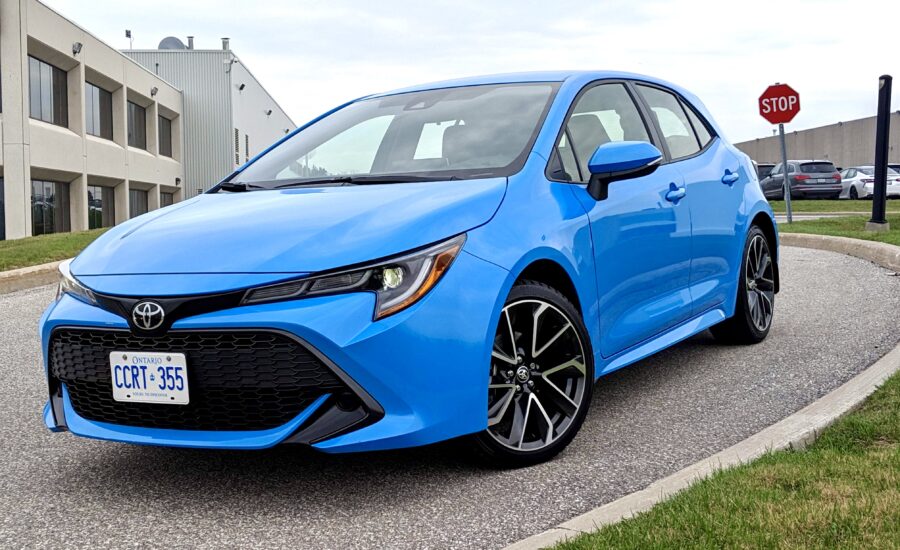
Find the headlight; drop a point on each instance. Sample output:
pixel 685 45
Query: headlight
pixel 397 282
pixel 69 285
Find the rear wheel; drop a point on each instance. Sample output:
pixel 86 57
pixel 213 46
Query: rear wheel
pixel 540 381
pixel 755 306
pixel 854 194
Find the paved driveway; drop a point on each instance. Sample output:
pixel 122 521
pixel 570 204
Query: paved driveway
pixel 834 317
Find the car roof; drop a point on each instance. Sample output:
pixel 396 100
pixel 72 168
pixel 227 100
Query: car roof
pixel 524 77
pixel 811 160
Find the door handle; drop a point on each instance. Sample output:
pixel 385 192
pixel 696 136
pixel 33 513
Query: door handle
pixel 675 193
pixel 730 177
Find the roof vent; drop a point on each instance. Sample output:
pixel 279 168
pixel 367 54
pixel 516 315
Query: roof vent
pixel 190 42
pixel 225 43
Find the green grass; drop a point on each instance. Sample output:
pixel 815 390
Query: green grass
pixel 44 248
pixel 846 226
pixel 799 206
pixel 842 492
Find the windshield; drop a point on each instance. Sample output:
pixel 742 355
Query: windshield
pixel 458 133
pixel 869 171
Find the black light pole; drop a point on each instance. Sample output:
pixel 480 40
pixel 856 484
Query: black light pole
pixel 882 131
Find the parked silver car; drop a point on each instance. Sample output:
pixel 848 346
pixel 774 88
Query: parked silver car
pixel 858 182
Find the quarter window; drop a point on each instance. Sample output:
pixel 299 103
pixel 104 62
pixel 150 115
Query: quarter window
pixel 672 121
pixel 603 114
pixel 700 128
pixel 48 92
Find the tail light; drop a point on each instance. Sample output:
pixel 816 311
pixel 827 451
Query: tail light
pixel 868 180
pixel 837 177
pixel 801 177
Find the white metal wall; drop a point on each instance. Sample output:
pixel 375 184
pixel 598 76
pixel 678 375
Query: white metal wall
pixel 203 78
pixel 223 124
pixel 255 128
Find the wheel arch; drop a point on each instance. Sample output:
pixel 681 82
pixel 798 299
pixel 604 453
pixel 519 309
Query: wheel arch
pixel 550 272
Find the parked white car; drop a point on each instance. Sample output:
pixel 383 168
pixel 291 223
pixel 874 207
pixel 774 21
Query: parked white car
pixel 859 183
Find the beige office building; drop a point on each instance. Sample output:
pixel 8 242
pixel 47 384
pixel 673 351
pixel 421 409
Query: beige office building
pixel 89 137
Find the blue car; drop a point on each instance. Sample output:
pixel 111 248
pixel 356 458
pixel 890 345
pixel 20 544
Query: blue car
pixel 460 259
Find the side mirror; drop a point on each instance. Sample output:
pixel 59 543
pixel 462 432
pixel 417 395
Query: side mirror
pixel 620 160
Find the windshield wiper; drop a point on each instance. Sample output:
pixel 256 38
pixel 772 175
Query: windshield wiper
pixel 317 181
pixel 232 187
pixel 365 180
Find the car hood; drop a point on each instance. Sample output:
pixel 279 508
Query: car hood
pixel 291 231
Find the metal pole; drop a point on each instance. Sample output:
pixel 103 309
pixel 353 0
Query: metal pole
pixel 883 126
pixel 787 182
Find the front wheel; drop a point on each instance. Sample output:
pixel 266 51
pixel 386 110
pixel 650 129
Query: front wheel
pixel 755 306
pixel 541 378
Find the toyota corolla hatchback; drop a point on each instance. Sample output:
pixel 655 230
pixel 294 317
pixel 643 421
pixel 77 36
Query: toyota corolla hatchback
pixel 455 259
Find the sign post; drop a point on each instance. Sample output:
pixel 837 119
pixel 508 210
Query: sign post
pixel 779 104
pixel 882 129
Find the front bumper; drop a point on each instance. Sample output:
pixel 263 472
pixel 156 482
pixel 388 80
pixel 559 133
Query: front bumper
pixel 425 367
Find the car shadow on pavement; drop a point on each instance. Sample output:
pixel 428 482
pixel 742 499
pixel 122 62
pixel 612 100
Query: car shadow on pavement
pixel 124 475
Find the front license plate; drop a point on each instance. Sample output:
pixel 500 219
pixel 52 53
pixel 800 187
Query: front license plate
pixel 149 377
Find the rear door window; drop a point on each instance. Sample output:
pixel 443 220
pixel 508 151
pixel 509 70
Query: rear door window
pixel 672 121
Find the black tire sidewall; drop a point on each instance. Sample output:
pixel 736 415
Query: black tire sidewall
pixel 743 304
pixel 503 456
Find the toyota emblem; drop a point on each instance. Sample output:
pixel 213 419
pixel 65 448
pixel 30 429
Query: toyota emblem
pixel 148 315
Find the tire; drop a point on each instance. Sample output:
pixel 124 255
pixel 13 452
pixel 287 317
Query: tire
pixel 535 408
pixel 854 194
pixel 755 306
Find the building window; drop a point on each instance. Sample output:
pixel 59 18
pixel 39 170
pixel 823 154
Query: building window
pixel 165 137
pixel 48 92
pixel 101 206
pixel 97 111
pixel 49 207
pixel 137 126
pixel 166 199
pixel 138 204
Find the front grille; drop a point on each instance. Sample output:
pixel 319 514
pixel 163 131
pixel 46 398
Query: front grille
pixel 238 380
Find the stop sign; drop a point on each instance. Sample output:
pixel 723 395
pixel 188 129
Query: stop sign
pixel 779 104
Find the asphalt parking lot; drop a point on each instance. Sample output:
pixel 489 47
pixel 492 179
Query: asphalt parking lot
pixel 834 316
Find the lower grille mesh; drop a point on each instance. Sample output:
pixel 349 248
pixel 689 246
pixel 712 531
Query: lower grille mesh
pixel 238 380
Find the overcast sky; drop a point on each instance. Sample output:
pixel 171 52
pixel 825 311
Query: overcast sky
pixel 314 55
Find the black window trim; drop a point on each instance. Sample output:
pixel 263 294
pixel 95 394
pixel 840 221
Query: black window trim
pixel 684 103
pixel 638 103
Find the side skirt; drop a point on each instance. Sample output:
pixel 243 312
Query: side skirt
pixel 671 337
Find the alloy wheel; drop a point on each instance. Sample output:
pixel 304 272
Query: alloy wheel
pixel 538 376
pixel 760 283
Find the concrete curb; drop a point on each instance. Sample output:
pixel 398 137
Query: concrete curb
pixel 883 254
pixel 29 277
pixel 796 431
